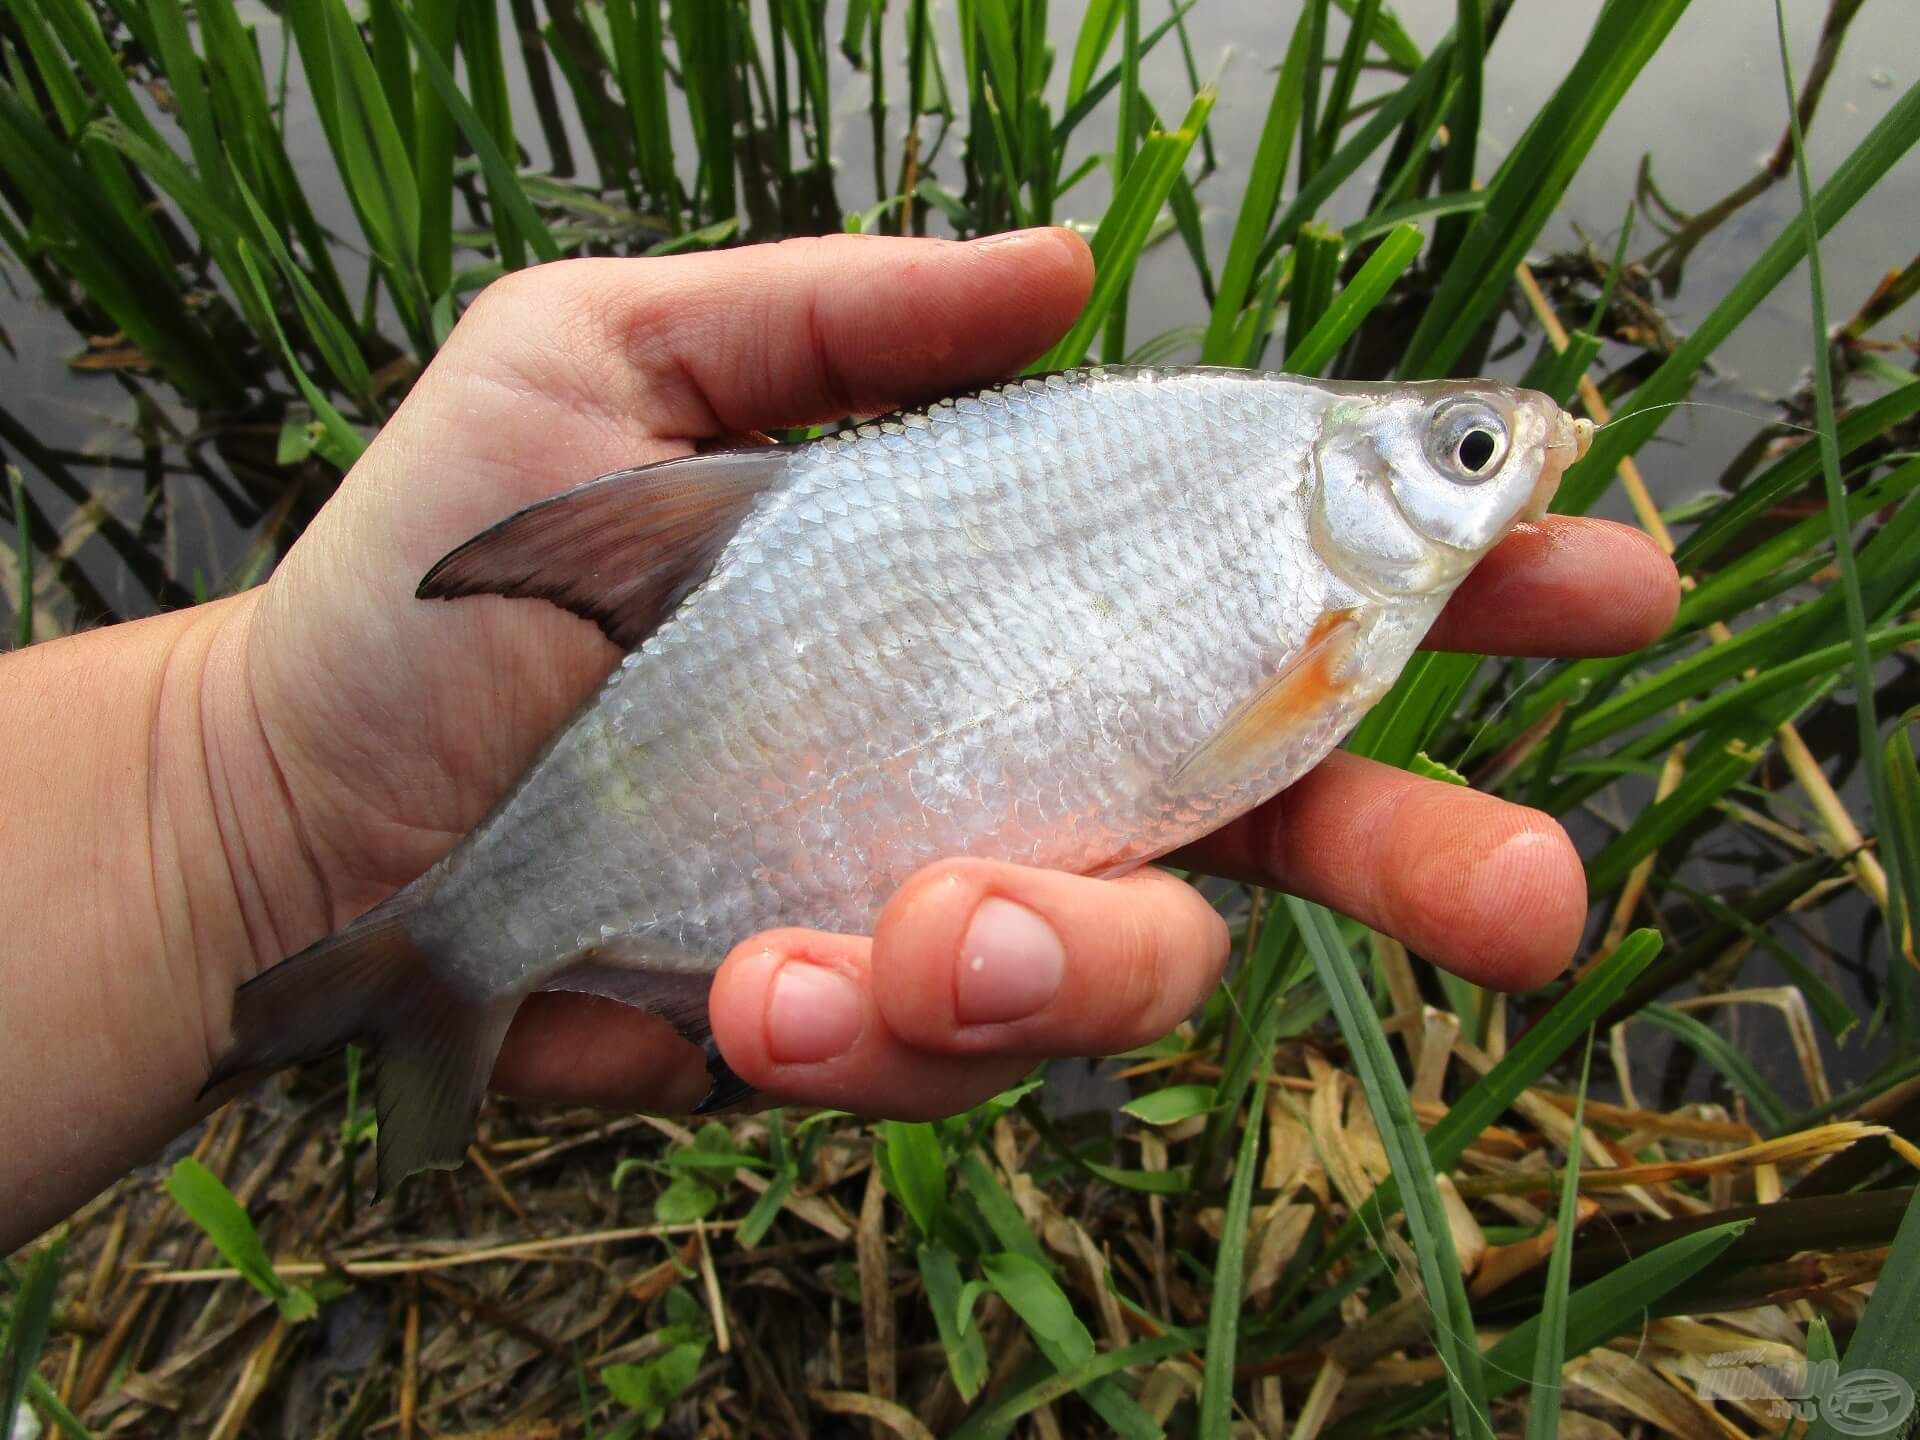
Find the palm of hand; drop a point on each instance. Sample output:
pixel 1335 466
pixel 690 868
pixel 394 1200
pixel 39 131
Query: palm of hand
pixel 373 730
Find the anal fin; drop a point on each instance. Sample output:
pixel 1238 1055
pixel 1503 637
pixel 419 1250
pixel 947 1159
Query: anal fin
pixel 1290 702
pixel 677 996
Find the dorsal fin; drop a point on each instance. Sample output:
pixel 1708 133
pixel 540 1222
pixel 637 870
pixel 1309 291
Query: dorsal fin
pixel 622 550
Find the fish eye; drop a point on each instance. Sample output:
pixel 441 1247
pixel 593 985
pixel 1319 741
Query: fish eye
pixel 1467 441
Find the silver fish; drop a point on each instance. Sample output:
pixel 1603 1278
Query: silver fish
pixel 1072 622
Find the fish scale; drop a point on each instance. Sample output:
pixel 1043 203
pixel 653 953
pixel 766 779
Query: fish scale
pixel 1072 622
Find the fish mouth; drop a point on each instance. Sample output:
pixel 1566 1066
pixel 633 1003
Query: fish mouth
pixel 1571 440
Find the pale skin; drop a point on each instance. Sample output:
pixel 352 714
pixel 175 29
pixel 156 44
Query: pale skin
pixel 193 797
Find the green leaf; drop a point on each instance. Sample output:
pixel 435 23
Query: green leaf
pixel 966 1351
pixel 1526 1060
pixel 1035 1296
pixel 1352 305
pixel 1413 1167
pixel 503 184
pixel 1529 185
pixel 1171 1105
pixel 1550 1351
pixel 1123 231
pixel 918 1171
pixel 684 1201
pixel 211 1206
pixel 1641 413
pixel 1229 1277
pixel 651 1387
pixel 25 1336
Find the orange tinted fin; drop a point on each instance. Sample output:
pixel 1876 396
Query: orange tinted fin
pixel 1268 720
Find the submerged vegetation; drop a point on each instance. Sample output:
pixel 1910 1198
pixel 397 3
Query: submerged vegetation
pixel 1355 1195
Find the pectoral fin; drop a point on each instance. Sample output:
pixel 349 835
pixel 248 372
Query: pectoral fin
pixel 1267 721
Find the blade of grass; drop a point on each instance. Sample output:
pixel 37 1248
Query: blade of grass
pixel 1316 266
pixel 1229 1276
pixel 1098 22
pixel 503 184
pixel 1361 17
pixel 1413 1165
pixel 1079 110
pixel 1888 1337
pixel 1902 815
pixel 640 61
pixel 1596 1312
pixel 1637 415
pixel 1463 122
pixel 75 108
pixel 340 442
pixel 23 557
pixel 1262 196
pixel 1123 231
pixel 1789 474
pixel 1550 1352
pixel 1713 1047
pixel 1903 903
pixel 1348 159
pixel 703 34
pixel 1114 341
pixel 998 1418
pixel 478 38
pixel 1469 202
pixel 26 1333
pixel 1313 15
pixel 1531 182
pixel 1526 1061
pixel 139 297
pixel 1426 694
pixel 433 127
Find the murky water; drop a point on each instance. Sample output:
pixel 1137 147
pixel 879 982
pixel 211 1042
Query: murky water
pixel 182 506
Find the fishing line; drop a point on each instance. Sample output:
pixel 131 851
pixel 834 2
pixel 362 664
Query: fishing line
pixel 1693 404
pixel 1708 405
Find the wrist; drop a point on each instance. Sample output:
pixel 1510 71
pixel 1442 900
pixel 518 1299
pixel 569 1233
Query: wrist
pixel 230 854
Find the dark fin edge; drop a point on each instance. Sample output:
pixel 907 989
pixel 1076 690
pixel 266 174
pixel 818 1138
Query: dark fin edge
pixel 622 550
pixel 680 998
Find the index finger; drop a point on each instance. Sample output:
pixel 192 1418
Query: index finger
pixel 1564 586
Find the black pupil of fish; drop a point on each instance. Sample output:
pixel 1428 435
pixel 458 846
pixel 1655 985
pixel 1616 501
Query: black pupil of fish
pixel 1476 449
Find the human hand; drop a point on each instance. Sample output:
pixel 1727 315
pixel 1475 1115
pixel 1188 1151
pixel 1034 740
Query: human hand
pixel 353 734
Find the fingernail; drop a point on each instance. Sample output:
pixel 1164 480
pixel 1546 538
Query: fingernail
pixel 1011 964
pixel 813 1014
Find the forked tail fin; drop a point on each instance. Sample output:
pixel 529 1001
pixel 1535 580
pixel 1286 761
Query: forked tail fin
pixel 433 1049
